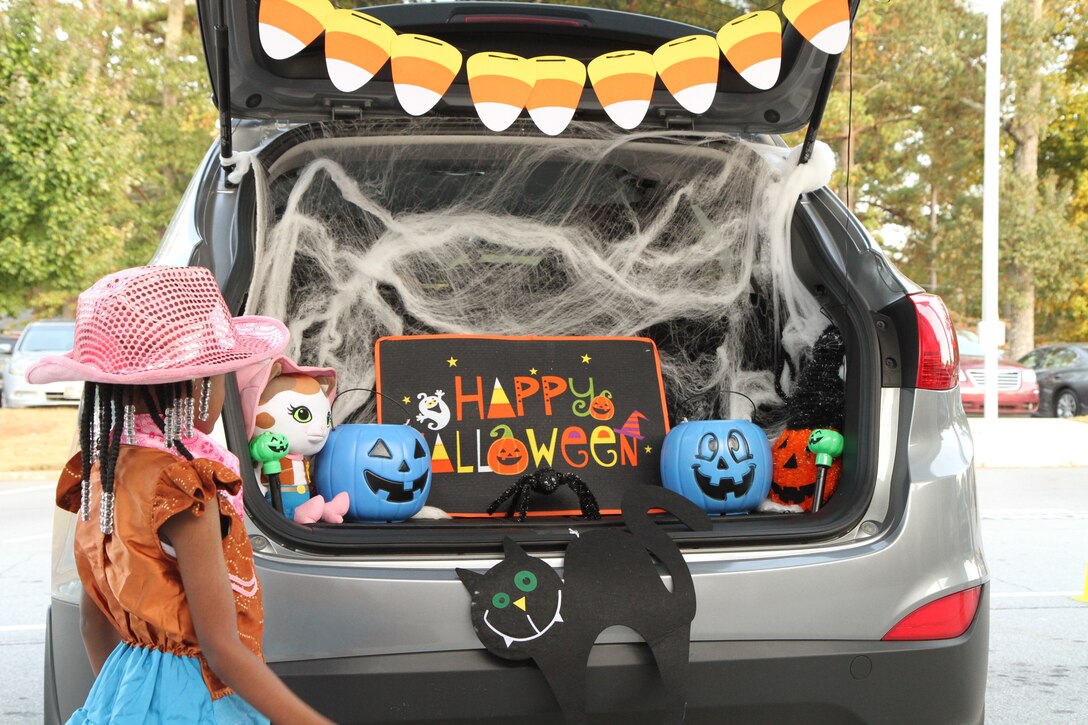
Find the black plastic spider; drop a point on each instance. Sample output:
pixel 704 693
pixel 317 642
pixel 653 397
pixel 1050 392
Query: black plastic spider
pixel 546 480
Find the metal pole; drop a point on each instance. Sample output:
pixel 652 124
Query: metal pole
pixel 991 329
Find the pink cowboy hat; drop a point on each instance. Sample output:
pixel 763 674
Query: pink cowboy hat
pixel 253 379
pixel 149 325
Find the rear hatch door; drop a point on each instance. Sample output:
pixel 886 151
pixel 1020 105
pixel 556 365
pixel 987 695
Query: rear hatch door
pixel 298 88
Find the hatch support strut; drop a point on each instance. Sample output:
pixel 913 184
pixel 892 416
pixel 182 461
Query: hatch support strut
pixel 222 82
pixel 818 110
pixel 822 93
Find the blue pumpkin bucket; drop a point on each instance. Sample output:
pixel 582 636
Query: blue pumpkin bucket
pixel 723 466
pixel 385 470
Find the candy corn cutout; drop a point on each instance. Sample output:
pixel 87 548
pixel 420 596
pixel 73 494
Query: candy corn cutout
pixel 356 47
pixel 752 44
pixel 287 26
pixel 824 23
pixel 500 85
pixel 624 84
pixel 423 69
pixel 556 93
pixel 689 69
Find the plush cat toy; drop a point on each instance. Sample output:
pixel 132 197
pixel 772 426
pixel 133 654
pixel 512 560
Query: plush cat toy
pixel 296 402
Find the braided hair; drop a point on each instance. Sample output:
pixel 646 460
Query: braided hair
pixel 100 430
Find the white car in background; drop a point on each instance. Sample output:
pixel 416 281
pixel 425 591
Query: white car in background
pixel 39 339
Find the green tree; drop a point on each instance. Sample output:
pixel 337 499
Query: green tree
pixel 913 148
pixel 104 114
pixel 64 150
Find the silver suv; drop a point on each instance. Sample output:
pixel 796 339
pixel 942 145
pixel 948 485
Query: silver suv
pixel 357 221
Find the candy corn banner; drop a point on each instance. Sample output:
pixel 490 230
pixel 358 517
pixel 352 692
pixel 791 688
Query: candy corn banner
pixel 496 408
pixel 358 45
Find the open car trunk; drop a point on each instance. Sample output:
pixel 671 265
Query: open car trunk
pixel 426 227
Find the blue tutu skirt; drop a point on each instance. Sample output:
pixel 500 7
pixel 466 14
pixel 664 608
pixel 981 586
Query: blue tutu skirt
pixel 139 685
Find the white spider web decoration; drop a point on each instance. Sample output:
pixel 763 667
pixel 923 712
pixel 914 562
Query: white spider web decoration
pixel 680 238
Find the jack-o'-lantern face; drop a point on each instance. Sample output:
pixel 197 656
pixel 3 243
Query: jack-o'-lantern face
pixel 794 475
pixel 721 465
pixel 386 470
pixel 508 456
pixel 601 407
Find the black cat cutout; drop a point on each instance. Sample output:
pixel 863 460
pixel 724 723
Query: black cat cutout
pixel 521 608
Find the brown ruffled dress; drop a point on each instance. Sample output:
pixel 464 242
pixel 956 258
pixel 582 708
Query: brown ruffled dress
pixel 133 577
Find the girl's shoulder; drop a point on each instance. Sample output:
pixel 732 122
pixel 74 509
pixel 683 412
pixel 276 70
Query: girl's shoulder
pixel 170 483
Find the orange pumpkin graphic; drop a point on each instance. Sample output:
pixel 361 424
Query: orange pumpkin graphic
pixel 507 456
pixel 601 407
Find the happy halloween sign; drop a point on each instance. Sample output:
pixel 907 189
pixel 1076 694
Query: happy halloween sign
pixel 496 408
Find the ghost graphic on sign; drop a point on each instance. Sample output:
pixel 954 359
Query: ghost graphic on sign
pixel 433 410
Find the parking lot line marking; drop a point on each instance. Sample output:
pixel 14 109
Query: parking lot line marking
pixel 22 627
pixel 1029 595
pixel 34 537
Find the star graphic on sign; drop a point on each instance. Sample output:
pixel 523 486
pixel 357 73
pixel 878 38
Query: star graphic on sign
pixel 532 371
pixel 406 400
pixel 586 359
pixel 452 361
pixel 649 449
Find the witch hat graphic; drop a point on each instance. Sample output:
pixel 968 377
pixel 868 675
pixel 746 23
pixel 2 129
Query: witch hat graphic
pixel 630 427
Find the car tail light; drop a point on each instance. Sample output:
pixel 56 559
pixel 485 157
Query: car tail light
pixel 938 352
pixel 943 618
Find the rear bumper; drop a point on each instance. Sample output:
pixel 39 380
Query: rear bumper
pixel 739 682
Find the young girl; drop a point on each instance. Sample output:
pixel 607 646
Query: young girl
pixel 171 609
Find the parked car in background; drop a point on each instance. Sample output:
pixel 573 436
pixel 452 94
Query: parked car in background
pixel 1017 389
pixel 7 344
pixel 39 339
pixel 1062 371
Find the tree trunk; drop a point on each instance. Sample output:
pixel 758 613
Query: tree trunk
pixel 175 15
pixel 1021 334
pixel 1025 164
